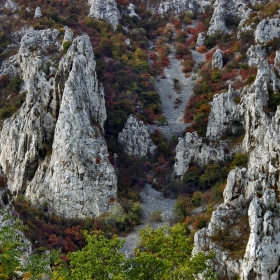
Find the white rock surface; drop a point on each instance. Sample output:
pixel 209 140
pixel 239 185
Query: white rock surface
pixel 277 61
pixel 200 39
pixel 128 43
pixel 68 35
pixel 261 260
pixel 217 60
pixel 38 13
pixel 267 29
pixel 135 138
pixel 217 22
pixel 9 4
pixel 238 9
pixel 131 11
pixel 253 186
pixel 75 178
pixel 106 10
pixel 255 54
pixel 192 149
pixel 225 115
pixel 179 6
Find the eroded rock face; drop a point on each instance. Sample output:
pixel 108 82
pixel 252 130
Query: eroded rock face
pixel 68 35
pixel 106 10
pixel 255 54
pixel 38 13
pixel 131 11
pixel 179 6
pixel 217 22
pixel 192 149
pixel 225 10
pixel 225 116
pixel 10 5
pixel 200 39
pixel 267 29
pixel 79 180
pixel 250 191
pixel 135 138
pixel 53 149
pixel 217 60
pixel 22 136
pixel 277 61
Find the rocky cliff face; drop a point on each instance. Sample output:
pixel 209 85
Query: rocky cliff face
pixel 250 195
pixel 192 149
pixel 267 29
pixel 106 10
pixel 179 6
pixel 225 9
pixel 217 60
pixel 135 138
pixel 53 150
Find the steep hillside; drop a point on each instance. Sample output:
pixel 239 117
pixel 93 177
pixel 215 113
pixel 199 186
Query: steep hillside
pixel 100 100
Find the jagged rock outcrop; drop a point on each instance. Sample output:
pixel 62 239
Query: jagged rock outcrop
pixel 192 149
pixel 178 6
pixel 38 13
pixel 217 60
pixel 10 67
pixel 131 11
pixel 135 138
pixel 250 192
pixel 106 10
pixel 128 43
pixel 10 5
pixel 200 39
pixel 225 116
pixel 277 61
pixel 267 29
pixel 68 35
pixel 73 174
pixel 229 10
pixel 255 54
pixel 217 22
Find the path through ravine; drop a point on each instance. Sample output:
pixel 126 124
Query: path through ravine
pixel 173 103
pixel 152 200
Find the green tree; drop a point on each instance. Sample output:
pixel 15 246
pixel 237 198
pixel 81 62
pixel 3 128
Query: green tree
pixel 99 259
pixel 171 250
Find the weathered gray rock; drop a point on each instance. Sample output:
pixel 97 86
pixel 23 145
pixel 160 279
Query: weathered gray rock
pixel 200 39
pixel 131 11
pixel 225 9
pixel 127 42
pixel 255 54
pixel 78 179
pixel 225 116
pixel 68 35
pixel 38 13
pixel 31 124
pixel 277 61
pixel 10 67
pixel 192 149
pixel 263 248
pixel 73 174
pixel 251 186
pixel 267 29
pixel 106 10
pixel 217 60
pixel 9 4
pixel 217 22
pixel 178 6
pixel 135 138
